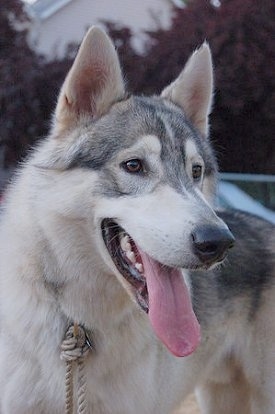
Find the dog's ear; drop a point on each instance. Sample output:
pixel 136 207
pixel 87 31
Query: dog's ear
pixel 193 89
pixel 94 82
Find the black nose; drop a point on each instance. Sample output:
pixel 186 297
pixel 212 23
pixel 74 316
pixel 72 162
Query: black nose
pixel 210 243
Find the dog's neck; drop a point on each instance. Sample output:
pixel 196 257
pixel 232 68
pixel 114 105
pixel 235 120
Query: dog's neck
pixel 68 271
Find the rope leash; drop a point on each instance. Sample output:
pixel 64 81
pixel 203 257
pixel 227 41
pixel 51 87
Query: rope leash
pixel 74 349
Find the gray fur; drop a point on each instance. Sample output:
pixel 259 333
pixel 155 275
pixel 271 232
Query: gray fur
pixel 246 274
pixel 138 117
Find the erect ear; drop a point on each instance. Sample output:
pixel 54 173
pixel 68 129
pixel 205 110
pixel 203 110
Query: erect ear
pixel 94 82
pixel 193 89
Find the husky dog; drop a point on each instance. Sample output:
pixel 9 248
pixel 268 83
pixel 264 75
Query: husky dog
pixel 109 226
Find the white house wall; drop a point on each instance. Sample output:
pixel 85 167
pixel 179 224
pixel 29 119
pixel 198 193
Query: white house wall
pixel 68 25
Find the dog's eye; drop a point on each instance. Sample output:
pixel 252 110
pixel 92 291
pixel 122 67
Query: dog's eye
pixel 133 166
pixel 196 172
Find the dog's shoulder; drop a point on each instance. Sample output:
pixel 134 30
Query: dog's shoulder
pixel 247 274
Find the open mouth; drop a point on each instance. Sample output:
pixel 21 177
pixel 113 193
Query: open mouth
pixel 159 290
pixel 127 259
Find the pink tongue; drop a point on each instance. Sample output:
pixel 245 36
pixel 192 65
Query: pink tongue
pixel 170 309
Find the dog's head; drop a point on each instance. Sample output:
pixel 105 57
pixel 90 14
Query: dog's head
pixel 144 178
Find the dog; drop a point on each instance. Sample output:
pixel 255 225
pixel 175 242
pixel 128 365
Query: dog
pixel 108 234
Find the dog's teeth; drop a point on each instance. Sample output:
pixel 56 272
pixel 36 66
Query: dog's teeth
pixel 131 256
pixel 127 247
pixel 139 267
pixel 125 243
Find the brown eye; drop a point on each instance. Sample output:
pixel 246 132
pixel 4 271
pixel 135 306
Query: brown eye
pixel 133 166
pixel 196 172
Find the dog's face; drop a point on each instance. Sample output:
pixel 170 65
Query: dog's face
pixel 143 178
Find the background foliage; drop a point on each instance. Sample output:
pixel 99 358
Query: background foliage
pixel 241 36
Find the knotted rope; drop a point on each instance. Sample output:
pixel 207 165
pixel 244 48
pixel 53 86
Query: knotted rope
pixel 74 349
